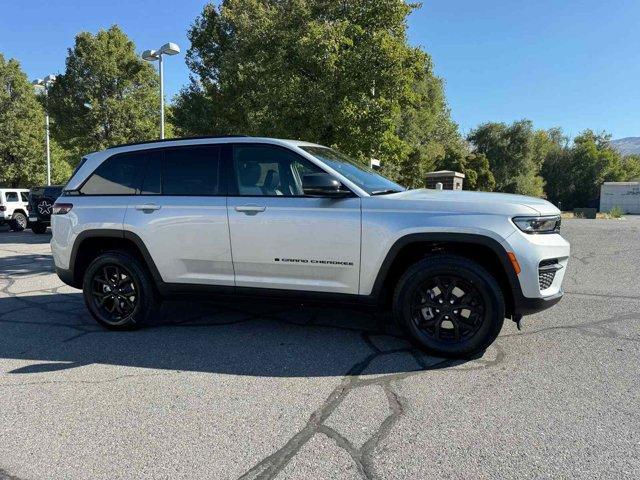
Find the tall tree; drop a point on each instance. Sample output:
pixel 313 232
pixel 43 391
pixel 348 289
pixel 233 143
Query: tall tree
pixel 335 72
pixel 575 173
pixel 631 167
pixel 22 147
pixel 107 94
pixel 511 155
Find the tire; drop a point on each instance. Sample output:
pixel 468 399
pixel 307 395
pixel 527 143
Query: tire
pixel 430 299
pixel 136 300
pixel 18 222
pixel 39 228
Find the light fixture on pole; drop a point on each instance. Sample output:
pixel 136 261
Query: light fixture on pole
pixel 152 56
pixel 44 84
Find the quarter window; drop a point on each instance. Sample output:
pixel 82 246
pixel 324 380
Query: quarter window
pixel 11 196
pixel 119 175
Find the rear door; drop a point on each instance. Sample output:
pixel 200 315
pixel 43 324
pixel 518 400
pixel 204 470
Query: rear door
pixel 181 215
pixel 282 239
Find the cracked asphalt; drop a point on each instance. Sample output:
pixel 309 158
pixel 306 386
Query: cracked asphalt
pixel 257 390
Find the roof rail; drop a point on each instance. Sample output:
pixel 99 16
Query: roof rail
pixel 175 139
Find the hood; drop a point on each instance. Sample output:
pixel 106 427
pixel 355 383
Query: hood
pixel 480 200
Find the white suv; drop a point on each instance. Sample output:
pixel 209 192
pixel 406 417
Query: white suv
pixel 14 207
pixel 260 216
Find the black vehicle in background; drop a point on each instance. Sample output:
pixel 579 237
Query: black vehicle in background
pixel 41 200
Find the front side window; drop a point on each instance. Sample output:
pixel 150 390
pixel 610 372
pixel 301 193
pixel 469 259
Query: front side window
pixel 367 179
pixel 11 196
pixel 119 175
pixel 268 171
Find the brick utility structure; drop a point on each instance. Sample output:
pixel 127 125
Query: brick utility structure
pixel 450 180
pixel 625 195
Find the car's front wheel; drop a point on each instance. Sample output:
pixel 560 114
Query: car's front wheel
pixel 450 306
pixel 119 292
pixel 18 222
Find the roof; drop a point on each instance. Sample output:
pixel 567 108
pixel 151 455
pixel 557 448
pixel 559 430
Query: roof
pixel 175 139
pixel 445 173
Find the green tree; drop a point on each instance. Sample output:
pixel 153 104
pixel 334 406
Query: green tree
pixel 631 167
pixel 475 166
pixel 107 94
pixel 22 147
pixel 574 174
pixel 511 152
pixel 338 73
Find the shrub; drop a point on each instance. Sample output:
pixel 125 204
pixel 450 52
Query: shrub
pixel 616 212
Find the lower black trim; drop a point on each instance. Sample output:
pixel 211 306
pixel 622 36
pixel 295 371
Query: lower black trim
pixel 67 277
pixel 528 306
pixel 179 290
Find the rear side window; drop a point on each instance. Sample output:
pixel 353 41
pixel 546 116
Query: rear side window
pixel 24 196
pixel 193 171
pixel 119 175
pixel 11 196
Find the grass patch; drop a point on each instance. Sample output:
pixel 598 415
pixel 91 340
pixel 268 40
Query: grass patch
pixel 616 212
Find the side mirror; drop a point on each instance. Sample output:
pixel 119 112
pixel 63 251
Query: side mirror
pixel 323 185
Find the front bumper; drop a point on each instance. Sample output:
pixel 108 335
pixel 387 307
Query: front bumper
pixel 529 306
pixel 536 291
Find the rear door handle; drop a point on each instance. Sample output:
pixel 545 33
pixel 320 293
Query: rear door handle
pixel 250 209
pixel 147 207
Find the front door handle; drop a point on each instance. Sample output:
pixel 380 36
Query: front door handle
pixel 147 207
pixel 250 209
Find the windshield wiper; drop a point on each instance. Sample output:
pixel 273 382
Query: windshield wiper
pixel 385 192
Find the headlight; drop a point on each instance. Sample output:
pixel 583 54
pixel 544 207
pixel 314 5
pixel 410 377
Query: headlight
pixel 549 224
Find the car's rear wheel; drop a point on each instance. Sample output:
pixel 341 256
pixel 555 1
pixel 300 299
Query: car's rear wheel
pixel 18 222
pixel 39 228
pixel 119 292
pixel 449 305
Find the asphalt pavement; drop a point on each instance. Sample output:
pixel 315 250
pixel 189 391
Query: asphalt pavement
pixel 256 390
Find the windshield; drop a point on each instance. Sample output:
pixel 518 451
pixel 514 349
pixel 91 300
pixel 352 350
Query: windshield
pixel 366 178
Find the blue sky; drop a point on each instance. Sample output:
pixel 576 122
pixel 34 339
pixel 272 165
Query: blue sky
pixel 568 63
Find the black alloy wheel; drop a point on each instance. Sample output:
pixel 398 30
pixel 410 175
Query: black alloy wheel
pixel 447 308
pixel 115 293
pixel 449 305
pixel 119 291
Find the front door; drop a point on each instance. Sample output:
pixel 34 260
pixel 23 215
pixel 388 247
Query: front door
pixel 181 215
pixel 282 239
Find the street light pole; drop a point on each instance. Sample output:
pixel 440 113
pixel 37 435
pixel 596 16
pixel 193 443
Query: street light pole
pixel 47 141
pixel 160 69
pixel 152 56
pixel 46 84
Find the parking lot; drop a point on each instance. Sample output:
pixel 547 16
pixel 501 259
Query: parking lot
pixel 257 390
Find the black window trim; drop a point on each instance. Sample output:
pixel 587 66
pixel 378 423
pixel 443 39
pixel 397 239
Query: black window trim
pixel 222 172
pixel 232 187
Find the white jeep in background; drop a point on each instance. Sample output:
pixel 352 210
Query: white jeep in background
pixel 14 208
pixel 265 217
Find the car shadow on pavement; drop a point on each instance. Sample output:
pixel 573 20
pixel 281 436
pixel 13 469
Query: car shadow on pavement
pixel 25 237
pixel 25 265
pixel 50 332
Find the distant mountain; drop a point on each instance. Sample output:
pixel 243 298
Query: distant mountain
pixel 627 146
